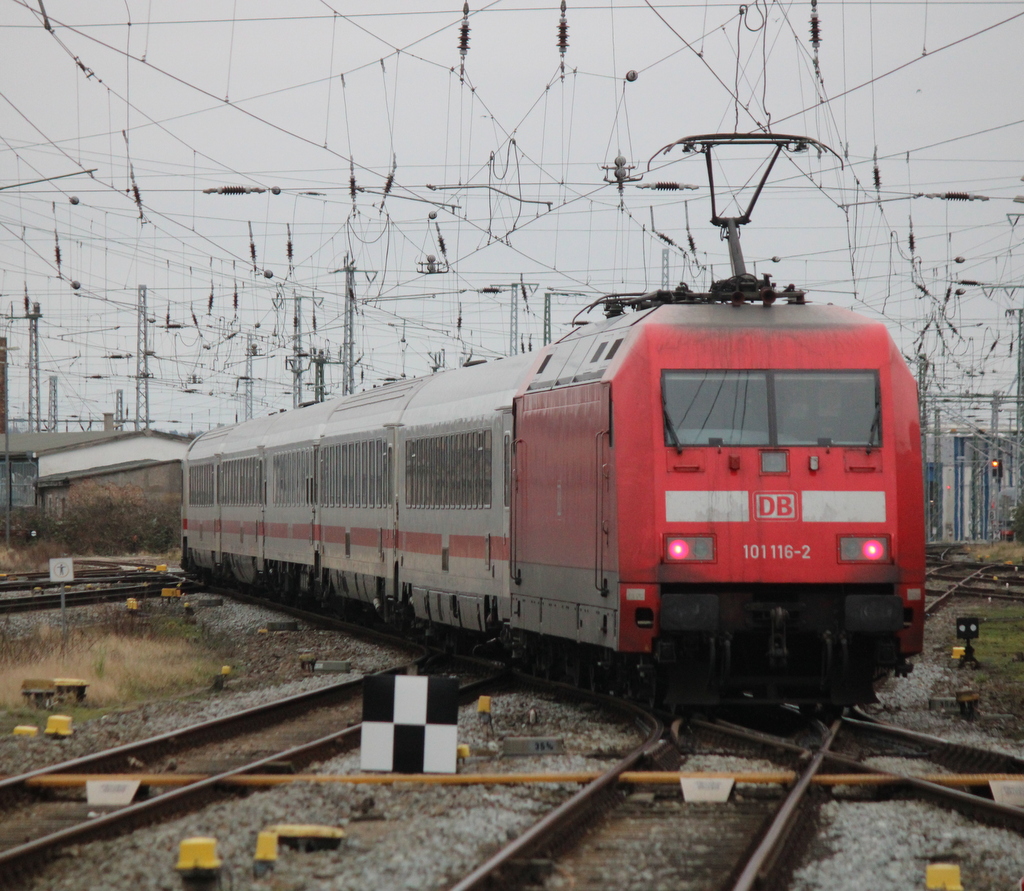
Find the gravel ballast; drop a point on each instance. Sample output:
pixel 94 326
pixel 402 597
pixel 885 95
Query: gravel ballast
pixel 265 667
pixel 405 836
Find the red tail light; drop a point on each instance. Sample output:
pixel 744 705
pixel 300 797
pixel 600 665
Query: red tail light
pixel 689 549
pixel 864 549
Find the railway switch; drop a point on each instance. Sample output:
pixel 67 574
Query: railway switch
pixel 943 877
pixel 58 726
pixel 198 864
pixel 266 854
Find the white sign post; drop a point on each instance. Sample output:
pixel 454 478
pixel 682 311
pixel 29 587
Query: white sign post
pixel 62 569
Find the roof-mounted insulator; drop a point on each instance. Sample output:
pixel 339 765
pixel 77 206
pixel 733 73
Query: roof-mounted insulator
pixel 667 187
pixel 234 190
pixel 463 41
pixel 563 41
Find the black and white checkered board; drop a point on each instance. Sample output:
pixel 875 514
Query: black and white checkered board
pixel 410 724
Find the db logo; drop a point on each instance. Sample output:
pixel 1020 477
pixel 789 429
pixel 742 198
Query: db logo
pixel 775 506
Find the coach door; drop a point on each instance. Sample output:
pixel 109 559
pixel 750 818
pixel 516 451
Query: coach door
pixel 261 508
pixel 312 497
pixel 389 531
pixel 217 512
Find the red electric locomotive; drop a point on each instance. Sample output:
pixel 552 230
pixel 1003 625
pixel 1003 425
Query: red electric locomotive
pixel 740 485
pixel 704 498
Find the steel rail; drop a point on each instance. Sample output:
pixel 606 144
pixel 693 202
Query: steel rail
pixel 37 602
pixel 548 831
pixel 767 855
pixel 935 604
pixel 87 578
pixel 24 858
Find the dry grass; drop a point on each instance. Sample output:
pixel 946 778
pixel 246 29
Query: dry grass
pixel 120 664
pixel 997 552
pixel 31 558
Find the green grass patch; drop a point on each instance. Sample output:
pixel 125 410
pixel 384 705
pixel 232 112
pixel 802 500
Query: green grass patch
pixel 1000 643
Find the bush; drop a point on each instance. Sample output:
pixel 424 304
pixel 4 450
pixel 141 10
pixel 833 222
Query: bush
pixel 1017 522
pixel 106 519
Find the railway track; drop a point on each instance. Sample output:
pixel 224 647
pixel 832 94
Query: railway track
pixel 114 591
pixel 185 769
pixel 650 837
pixel 947 579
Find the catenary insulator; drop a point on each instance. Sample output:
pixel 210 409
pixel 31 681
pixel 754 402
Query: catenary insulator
pixel 631 75
pixel 464 31
pixel 75 285
pixel 73 199
pixel 432 215
pixel 268 273
pixel 959 259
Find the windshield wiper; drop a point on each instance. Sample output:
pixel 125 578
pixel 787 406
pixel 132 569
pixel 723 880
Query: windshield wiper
pixel 671 429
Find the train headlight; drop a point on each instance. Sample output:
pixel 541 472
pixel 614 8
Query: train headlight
pixel 689 549
pixel 864 549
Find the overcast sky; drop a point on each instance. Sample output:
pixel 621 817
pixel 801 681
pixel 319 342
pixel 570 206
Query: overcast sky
pixel 497 155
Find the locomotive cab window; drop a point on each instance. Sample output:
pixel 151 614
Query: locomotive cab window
pixel 840 408
pixel 715 407
pixel 771 408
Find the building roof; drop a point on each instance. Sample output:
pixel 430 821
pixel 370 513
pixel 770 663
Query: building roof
pixel 42 443
pixel 59 479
